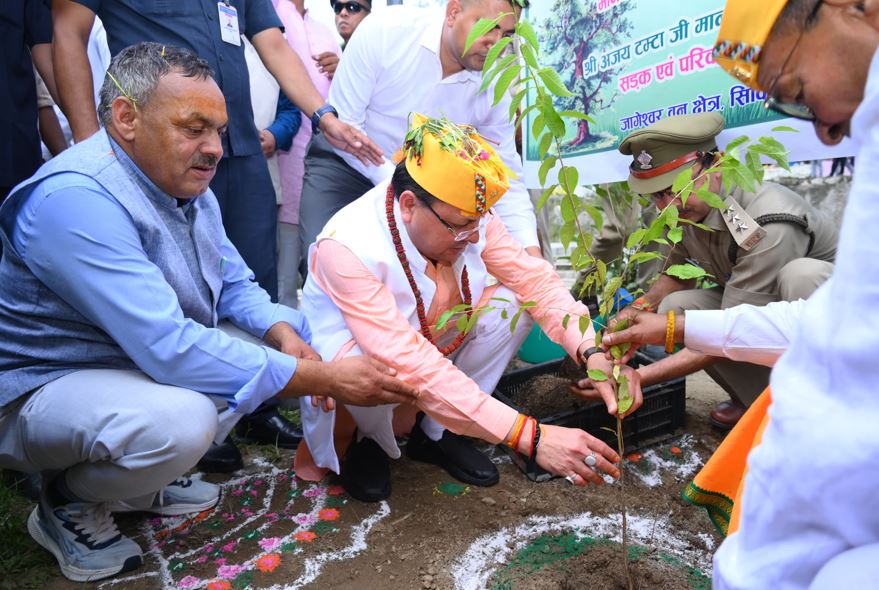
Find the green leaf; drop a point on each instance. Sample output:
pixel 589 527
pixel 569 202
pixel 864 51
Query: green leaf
pixel 566 234
pixel 544 197
pixel 624 398
pixel 471 323
pixel 701 226
pixel 784 129
pixel 569 177
pixel 545 144
pixel 528 304
pixel 444 319
pixel 504 81
pixel 737 142
pixel 495 52
pixel 529 56
pixel 595 213
pixel 682 180
pixel 621 325
pixel 516 103
pixel 538 125
pixel 584 324
pixel 501 299
pixel 545 166
pixel 616 368
pixel 501 66
pixel 565 321
pixel 567 210
pixel 675 234
pixel 577 115
pixel 461 323
pixel 504 314
pixel 552 118
pixel 554 82
pixel 685 272
pixel 644 257
pixel 597 375
pixel 709 198
pixel 482 27
pixel 601 270
pixel 515 321
pixel 524 114
pixel 526 32
pixel 636 237
pixel 617 351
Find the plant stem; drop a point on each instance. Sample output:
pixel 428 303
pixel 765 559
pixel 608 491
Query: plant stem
pixel 621 446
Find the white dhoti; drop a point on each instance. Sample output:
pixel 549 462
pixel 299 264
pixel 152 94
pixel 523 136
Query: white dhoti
pixel 483 356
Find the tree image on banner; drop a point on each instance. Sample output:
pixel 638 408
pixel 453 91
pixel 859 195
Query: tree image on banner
pixel 577 29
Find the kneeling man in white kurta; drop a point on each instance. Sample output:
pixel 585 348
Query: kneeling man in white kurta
pixel 382 273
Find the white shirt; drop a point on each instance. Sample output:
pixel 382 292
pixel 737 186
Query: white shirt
pixel 811 487
pixel 746 333
pixel 391 68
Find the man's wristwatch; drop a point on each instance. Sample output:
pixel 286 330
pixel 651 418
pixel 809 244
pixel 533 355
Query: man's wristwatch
pixel 316 115
pixel 589 352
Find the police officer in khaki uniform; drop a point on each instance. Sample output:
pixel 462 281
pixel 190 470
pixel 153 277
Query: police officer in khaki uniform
pixel 765 246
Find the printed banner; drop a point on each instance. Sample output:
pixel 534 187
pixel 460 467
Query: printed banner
pixel 631 63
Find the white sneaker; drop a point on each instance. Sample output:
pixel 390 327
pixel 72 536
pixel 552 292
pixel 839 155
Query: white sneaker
pixel 181 496
pixel 84 539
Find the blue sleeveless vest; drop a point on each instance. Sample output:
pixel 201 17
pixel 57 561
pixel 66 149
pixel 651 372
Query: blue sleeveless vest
pixel 41 336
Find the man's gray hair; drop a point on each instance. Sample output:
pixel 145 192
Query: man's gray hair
pixel 136 70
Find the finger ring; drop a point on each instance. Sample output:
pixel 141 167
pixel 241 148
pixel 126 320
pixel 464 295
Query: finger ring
pixel 591 461
pixel 571 478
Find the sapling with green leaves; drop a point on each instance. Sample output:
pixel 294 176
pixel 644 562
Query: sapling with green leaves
pixel 538 86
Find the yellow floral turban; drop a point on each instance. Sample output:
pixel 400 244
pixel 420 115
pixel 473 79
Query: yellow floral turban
pixel 744 29
pixel 454 164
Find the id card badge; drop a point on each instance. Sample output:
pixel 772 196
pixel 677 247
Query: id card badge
pixel 228 16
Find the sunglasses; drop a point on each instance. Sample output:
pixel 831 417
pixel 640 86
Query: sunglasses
pixel 351 7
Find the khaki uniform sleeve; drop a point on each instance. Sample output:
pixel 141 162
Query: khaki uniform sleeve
pixel 754 278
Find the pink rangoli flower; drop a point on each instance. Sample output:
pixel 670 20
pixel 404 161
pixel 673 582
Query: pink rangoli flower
pixel 305 536
pixel 188 582
pixel 229 571
pixel 270 543
pixel 328 514
pixel 268 563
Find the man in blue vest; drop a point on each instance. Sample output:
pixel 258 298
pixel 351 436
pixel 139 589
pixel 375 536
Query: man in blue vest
pixel 127 318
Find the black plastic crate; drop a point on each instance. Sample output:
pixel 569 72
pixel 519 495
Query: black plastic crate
pixel 663 412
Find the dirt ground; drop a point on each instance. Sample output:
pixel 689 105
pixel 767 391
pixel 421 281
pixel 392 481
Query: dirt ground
pixel 274 531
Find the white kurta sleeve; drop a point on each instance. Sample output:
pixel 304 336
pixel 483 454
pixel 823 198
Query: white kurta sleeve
pixel 746 333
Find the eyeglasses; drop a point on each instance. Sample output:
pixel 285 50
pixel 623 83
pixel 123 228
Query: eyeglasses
pixel 792 109
pixel 351 7
pixel 459 235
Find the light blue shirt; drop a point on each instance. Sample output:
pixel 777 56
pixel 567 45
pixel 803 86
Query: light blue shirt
pixel 82 244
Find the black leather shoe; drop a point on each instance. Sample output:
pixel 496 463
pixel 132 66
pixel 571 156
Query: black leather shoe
pixel 366 471
pixel 267 426
pixel 454 453
pixel 222 458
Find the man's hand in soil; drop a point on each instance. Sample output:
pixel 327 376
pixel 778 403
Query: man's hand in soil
pixel 347 138
pixel 356 381
pixel 563 450
pixel 607 390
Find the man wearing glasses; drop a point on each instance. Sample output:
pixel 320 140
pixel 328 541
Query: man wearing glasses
pixel 806 518
pixel 349 15
pixel 770 245
pixel 383 272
